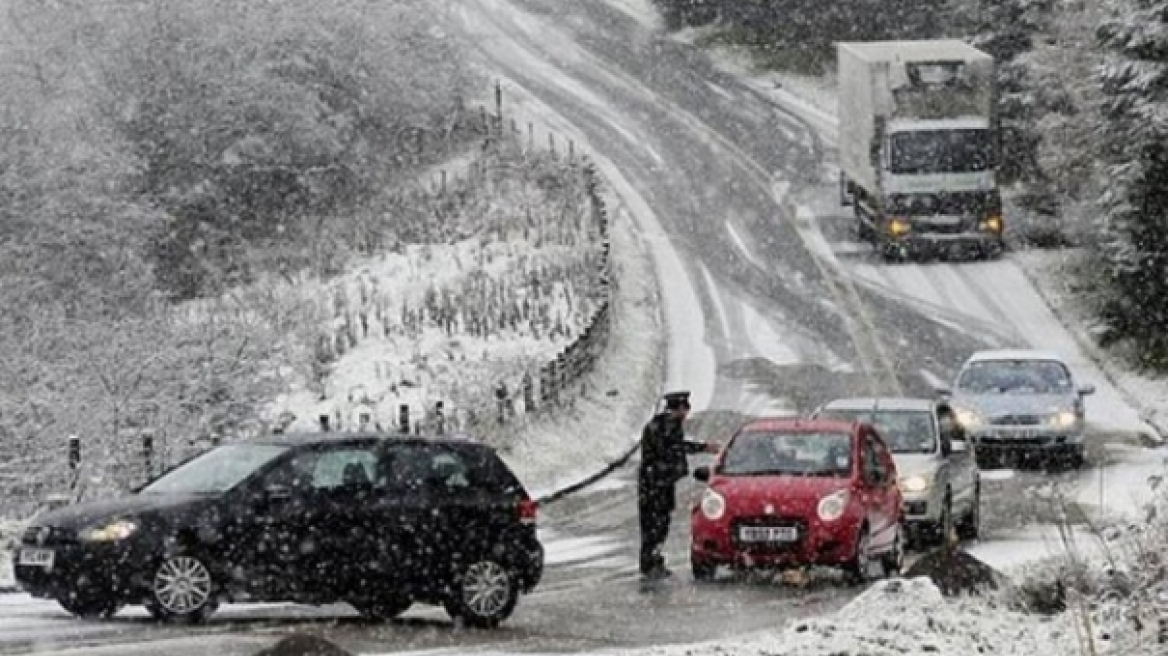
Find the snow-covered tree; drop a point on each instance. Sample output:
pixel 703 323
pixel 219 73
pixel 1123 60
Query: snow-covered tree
pixel 1006 29
pixel 1133 252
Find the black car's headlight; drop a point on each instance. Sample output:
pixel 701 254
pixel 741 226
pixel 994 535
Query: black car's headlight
pixel 110 531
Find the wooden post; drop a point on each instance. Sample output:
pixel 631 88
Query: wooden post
pixel 499 103
pixel 440 417
pixel 404 418
pixel 324 423
pixel 501 400
pixel 74 461
pixel 528 393
pixel 148 454
pixel 545 384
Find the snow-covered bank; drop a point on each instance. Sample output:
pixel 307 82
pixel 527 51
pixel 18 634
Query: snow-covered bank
pixel 561 448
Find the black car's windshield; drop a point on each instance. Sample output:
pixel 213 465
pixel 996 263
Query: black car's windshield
pixel 760 453
pixel 905 431
pixel 1015 377
pixel 217 470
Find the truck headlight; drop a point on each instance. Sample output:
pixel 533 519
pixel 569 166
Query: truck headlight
pixel 109 532
pixel 991 224
pixel 915 484
pixel 968 418
pixel 832 506
pixel 1064 419
pixel 713 505
pixel 898 226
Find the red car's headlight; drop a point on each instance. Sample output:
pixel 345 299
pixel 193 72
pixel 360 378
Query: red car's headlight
pixel 832 506
pixel 713 505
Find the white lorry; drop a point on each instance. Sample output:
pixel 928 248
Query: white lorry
pixel 918 146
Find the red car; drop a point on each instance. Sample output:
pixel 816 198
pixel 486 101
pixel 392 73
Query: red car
pixel 790 492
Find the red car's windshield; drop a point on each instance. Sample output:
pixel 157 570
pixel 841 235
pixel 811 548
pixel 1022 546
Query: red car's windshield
pixel 767 453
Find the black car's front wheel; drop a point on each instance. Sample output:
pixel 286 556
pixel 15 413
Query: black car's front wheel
pixel 484 594
pixel 182 589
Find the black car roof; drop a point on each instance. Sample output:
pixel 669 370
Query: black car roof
pixel 332 437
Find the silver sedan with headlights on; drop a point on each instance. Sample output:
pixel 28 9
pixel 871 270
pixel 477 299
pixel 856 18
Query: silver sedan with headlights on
pixel 1020 405
pixel 938 477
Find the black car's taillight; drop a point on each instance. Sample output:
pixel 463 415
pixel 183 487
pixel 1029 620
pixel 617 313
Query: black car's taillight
pixel 528 510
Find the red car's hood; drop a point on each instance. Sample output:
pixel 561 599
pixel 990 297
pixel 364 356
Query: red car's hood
pixel 786 495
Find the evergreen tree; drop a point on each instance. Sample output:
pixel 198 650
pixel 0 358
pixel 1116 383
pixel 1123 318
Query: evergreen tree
pixel 1133 250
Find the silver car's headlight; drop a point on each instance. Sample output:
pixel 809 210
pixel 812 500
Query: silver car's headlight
pixel 915 484
pixel 109 532
pixel 968 418
pixel 1065 419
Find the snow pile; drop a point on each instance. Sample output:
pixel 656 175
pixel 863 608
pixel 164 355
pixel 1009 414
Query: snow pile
pixel 910 616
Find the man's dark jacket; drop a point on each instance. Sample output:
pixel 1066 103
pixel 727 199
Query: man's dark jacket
pixel 664 449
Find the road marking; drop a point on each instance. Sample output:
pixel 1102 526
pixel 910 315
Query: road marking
pixel 741 245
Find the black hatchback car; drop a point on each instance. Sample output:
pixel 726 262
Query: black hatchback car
pixel 376 521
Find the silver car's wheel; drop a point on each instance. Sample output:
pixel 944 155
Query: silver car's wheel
pixel 894 560
pixel 859 570
pixel 182 588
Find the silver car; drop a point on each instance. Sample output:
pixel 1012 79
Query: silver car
pixel 938 477
pixel 1020 403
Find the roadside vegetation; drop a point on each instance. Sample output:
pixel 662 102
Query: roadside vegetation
pixel 166 167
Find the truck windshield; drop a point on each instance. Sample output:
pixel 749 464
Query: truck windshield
pixel 941 151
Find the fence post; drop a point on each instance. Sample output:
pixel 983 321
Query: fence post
pixel 403 415
pixel 499 103
pixel 440 417
pixel 74 460
pixel 501 399
pixel 148 454
pixel 562 374
pixel 545 385
pixel 324 423
pixel 528 393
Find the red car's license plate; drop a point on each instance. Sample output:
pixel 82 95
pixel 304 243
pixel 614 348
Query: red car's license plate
pixel 768 534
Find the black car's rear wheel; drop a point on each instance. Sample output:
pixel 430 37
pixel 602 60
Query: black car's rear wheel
pixel 385 608
pixel 484 594
pixel 182 589
pixel 88 605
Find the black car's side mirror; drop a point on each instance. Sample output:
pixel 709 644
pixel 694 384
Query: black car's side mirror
pixel 702 473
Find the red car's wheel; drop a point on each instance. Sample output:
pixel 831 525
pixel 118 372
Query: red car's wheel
pixel 859 569
pixel 702 570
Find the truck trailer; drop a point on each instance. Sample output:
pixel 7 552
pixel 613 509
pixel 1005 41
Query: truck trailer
pixel 918 147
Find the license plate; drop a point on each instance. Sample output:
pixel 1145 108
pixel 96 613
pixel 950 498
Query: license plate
pixel 768 533
pixel 37 557
pixel 1017 435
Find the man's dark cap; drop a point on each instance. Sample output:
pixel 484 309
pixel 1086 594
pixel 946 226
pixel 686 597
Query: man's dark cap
pixel 677 401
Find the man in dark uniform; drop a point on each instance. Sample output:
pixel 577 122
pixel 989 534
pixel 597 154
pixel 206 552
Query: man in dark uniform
pixel 663 463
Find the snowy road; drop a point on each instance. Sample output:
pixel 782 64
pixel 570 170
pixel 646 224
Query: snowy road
pixel 765 315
